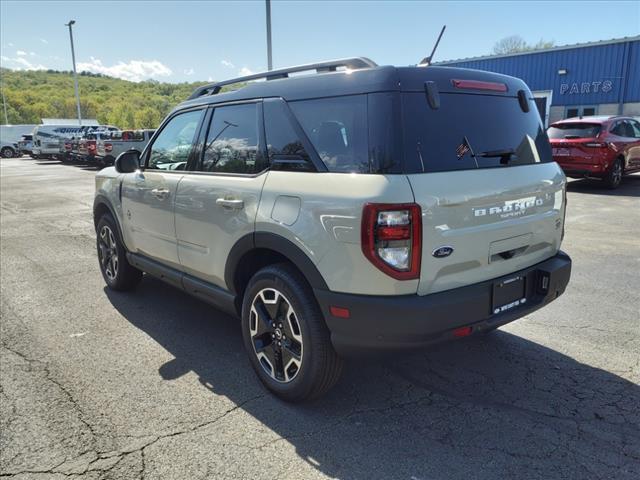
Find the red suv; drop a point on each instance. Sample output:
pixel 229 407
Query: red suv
pixel 600 147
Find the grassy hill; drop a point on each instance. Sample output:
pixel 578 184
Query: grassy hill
pixel 34 95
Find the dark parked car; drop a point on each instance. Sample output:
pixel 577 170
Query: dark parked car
pixel 597 147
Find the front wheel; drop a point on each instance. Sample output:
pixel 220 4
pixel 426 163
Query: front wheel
pixel 614 177
pixel 285 335
pixel 7 152
pixel 116 270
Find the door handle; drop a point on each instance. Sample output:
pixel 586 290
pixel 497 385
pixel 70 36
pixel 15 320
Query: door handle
pixel 160 193
pixel 230 203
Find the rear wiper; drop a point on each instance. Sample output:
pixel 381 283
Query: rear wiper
pixel 505 155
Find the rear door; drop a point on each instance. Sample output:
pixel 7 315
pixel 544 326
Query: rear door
pixel 148 195
pixel 217 202
pixel 486 183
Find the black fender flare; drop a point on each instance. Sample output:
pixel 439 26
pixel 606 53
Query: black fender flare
pixel 278 244
pixel 102 200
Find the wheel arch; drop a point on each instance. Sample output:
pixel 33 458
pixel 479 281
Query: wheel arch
pixel 102 205
pixel 255 251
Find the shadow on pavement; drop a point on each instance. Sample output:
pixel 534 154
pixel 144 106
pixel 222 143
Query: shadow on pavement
pixel 480 408
pixel 630 187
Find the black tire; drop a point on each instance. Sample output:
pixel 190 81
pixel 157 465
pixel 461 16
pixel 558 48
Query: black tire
pixel 117 272
pixel 614 177
pixel 7 152
pixel 319 365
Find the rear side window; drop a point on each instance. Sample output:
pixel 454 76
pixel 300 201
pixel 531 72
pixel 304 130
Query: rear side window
pixel 284 145
pixel 232 141
pixel 574 130
pixel 337 128
pixel 492 127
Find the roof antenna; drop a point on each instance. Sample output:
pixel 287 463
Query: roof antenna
pixel 426 61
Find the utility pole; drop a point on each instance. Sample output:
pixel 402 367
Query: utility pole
pixel 75 74
pixel 269 57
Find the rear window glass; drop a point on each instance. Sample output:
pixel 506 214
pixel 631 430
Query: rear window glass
pixel 492 127
pixel 337 129
pixel 574 130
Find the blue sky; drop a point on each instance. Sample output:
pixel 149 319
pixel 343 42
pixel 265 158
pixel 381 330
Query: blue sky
pixel 186 41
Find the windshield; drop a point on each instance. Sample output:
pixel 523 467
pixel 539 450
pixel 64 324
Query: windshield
pixel 471 131
pixel 574 130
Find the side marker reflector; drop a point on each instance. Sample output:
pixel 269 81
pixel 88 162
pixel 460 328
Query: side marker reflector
pixel 462 332
pixel 340 312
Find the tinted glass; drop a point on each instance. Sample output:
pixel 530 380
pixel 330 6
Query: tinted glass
pixel 232 141
pixel 588 111
pixel 635 126
pixel 574 130
pixel 618 129
pixel 337 128
pixel 572 112
pixel 283 142
pixel 385 139
pixel 171 149
pixel 497 130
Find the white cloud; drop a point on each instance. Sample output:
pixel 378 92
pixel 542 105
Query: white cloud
pixel 210 79
pixel 21 53
pixel 245 71
pixel 189 71
pixel 44 40
pixel 33 54
pixel 227 63
pixel 20 63
pixel 134 70
pixel 9 44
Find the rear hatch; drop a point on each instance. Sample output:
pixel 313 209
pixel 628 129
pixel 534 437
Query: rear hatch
pixel 575 142
pixel 482 172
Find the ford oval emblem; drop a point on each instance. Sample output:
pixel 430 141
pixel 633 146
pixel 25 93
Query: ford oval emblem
pixel 442 252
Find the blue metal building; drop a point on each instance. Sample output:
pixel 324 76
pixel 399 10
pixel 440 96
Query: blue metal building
pixel 599 78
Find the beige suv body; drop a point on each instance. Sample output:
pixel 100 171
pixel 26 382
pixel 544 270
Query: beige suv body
pixel 344 211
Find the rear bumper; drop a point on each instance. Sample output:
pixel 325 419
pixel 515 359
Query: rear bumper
pixel 411 321
pixel 582 169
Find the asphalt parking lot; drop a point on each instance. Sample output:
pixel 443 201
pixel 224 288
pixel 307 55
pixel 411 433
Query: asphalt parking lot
pixel 156 385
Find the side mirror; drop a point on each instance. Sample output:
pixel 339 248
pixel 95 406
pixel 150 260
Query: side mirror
pixel 128 161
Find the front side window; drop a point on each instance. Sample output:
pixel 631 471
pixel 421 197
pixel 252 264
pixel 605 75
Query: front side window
pixel 172 147
pixel 635 128
pixel 232 144
pixel 337 128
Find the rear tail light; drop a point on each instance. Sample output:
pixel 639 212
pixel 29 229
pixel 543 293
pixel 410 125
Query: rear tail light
pixel 392 238
pixel 108 147
pixel 478 85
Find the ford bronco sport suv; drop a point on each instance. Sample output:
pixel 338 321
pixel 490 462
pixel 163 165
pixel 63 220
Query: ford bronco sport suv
pixel 358 208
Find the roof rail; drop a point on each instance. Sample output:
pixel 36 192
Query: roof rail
pixel 321 67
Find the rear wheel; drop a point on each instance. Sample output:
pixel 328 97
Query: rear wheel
pixel 285 335
pixel 116 270
pixel 614 177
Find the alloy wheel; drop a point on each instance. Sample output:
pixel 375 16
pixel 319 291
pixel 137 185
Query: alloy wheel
pixel 616 175
pixel 108 252
pixel 275 335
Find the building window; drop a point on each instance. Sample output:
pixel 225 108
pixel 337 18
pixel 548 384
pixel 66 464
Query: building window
pixel 582 111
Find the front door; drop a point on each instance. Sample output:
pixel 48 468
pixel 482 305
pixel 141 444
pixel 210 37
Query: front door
pixel 148 196
pixel 217 203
